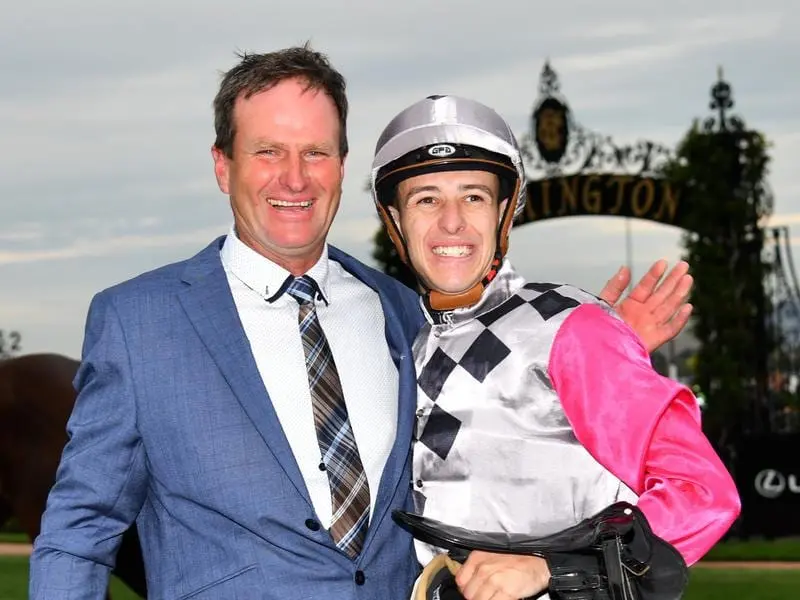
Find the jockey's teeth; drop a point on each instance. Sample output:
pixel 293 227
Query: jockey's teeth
pixel 452 250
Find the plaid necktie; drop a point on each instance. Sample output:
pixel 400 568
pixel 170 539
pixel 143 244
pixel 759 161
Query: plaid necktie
pixel 346 476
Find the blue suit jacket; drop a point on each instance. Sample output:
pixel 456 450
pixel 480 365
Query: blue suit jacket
pixel 173 428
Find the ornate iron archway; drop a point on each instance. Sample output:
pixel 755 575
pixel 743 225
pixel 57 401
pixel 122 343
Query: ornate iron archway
pixel 575 171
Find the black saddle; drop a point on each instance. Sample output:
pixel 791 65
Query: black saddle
pixel 612 555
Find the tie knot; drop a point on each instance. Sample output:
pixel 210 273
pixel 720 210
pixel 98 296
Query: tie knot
pixel 303 289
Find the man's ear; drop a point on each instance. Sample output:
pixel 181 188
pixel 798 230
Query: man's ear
pixel 221 169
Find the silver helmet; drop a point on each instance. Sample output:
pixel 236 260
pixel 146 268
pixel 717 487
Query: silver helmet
pixel 448 133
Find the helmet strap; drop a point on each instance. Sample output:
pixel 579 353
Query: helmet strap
pixel 437 301
pixel 507 221
pixel 394 234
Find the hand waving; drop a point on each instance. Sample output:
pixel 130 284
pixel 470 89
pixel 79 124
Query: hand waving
pixel 657 312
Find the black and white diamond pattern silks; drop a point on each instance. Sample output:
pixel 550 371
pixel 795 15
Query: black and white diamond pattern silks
pixel 493 448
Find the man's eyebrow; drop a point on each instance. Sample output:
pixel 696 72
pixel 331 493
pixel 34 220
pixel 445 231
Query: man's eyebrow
pixel 475 186
pixel 265 142
pixel 268 143
pixel 421 188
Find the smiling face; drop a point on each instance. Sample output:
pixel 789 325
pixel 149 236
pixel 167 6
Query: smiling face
pixel 449 222
pixel 284 177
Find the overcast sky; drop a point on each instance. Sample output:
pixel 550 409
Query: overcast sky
pixel 106 121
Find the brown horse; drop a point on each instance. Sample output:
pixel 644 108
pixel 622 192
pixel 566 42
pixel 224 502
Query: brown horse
pixel 36 399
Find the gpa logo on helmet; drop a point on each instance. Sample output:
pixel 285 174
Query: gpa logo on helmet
pixel 440 150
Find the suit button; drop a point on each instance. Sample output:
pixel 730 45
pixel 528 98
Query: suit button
pixel 360 578
pixel 312 524
pixel 419 483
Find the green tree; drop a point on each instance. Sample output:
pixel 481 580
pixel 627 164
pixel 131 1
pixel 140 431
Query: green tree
pixel 723 172
pixel 385 254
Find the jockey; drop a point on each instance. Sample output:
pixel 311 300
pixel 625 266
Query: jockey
pixel 537 405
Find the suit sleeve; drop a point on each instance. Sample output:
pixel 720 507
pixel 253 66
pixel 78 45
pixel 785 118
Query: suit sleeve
pixel 101 481
pixel 644 428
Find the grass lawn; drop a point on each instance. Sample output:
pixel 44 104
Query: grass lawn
pixel 14 538
pixel 724 584
pixel 784 549
pixel 14 581
pixel 705 584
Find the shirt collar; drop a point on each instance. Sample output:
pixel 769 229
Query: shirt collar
pixel 266 278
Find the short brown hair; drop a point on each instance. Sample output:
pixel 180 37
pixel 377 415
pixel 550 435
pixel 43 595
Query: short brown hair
pixel 257 73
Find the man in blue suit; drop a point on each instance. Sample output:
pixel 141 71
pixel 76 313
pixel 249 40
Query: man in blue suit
pixel 210 410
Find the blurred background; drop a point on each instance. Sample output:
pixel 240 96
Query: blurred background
pixel 651 130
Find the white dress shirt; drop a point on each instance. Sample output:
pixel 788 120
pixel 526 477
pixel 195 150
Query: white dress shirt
pixel 352 318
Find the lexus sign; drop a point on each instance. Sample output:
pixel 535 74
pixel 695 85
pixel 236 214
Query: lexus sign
pixel 771 483
pixel 767 474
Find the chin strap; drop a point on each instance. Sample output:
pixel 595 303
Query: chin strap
pixel 438 302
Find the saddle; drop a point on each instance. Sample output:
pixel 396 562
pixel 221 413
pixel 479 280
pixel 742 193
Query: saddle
pixel 613 555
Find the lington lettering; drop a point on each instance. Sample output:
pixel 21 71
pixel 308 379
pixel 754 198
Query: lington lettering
pixel 641 208
pixel 592 196
pixel 569 196
pixel 603 194
pixel 670 201
pixel 620 182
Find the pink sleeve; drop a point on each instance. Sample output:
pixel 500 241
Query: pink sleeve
pixel 644 428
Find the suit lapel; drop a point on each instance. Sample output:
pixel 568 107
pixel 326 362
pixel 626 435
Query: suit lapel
pixel 209 305
pixel 400 350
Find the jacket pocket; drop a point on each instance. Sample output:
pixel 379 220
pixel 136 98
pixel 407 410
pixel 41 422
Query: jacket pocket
pixel 209 586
